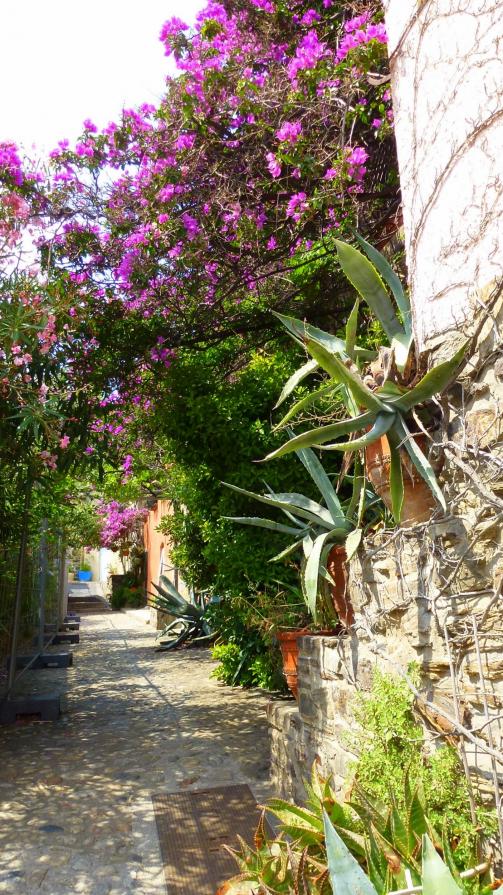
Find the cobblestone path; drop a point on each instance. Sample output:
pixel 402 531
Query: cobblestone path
pixel 76 814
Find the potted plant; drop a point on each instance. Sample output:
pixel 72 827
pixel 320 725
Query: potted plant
pixel 84 572
pixel 325 534
pixel 379 400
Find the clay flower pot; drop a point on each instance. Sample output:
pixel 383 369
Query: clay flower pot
pixel 338 569
pixel 418 501
pixel 289 646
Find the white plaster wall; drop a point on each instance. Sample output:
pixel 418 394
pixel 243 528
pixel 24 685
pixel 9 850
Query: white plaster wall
pixel 447 81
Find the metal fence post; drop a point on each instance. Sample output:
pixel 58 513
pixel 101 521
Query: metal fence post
pixel 62 598
pixel 42 584
pixel 19 589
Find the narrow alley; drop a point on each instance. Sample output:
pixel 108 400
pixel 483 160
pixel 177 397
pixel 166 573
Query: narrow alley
pixel 76 812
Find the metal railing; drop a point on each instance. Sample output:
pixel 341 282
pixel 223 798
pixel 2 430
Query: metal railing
pixel 31 605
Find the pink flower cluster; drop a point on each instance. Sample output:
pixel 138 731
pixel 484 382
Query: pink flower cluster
pixel 359 33
pixel 119 523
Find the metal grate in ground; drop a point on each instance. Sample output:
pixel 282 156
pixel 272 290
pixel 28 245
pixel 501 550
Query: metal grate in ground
pixel 193 827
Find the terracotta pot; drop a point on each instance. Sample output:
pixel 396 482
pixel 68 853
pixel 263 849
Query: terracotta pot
pixel 338 569
pixel 289 646
pixel 418 501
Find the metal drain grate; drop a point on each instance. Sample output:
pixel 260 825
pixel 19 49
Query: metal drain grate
pixel 192 828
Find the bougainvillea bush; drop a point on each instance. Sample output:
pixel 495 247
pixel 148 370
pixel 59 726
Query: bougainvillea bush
pixel 177 229
pixel 186 222
pixel 121 525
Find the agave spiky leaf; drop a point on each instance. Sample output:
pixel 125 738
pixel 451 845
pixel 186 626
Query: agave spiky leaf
pixel 303 332
pixel 383 423
pixel 270 524
pixel 368 283
pixel 295 380
pixel 391 279
pixel 300 505
pixel 333 389
pixel 315 469
pixel 433 383
pixel 436 877
pixel 348 376
pixel 322 434
pixel 396 478
pixel 346 875
pixel 419 460
pixel 352 329
pixel 312 572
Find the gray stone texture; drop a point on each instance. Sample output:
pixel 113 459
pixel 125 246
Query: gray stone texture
pixel 75 807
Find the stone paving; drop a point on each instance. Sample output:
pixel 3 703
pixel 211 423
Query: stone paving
pixel 75 812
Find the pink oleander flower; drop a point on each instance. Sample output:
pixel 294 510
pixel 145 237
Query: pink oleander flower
pixel 64 441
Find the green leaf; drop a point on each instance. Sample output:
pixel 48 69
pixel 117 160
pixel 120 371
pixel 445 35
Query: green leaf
pixel 292 815
pixel 307 545
pixel 302 332
pixel 347 376
pixel 436 878
pixel 396 481
pixel 312 573
pixel 287 551
pixel 258 522
pixel 306 401
pixel 419 460
pixel 301 502
pixel 351 330
pixel 366 280
pixel 296 378
pixel 433 383
pixel 322 434
pixel 382 424
pixel 315 469
pixel 346 875
pixel 416 814
pixel 392 280
pixel 401 346
pixel 303 506
pixel 353 541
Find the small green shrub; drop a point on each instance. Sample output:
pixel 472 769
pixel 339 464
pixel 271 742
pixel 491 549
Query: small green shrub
pixel 238 666
pixel 389 741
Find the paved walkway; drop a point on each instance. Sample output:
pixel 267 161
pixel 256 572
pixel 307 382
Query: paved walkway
pixel 75 813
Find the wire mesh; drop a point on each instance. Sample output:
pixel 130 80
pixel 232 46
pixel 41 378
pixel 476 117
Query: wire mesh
pixel 40 609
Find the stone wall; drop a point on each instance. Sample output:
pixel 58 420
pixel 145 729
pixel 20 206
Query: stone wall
pixel 417 592
pixel 447 83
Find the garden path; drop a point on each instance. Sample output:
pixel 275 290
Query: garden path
pixel 75 813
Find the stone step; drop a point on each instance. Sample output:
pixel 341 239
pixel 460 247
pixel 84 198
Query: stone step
pixel 89 606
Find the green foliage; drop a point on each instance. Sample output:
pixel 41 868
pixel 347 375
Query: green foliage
pixel 389 742
pixel 214 425
pixel 246 654
pixel 127 593
pixel 328 847
pixel 386 400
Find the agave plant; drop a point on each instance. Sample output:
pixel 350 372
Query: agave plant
pixel 190 620
pixel 317 852
pixel 314 527
pixel 385 409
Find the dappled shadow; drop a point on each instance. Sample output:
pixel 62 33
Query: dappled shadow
pixel 136 722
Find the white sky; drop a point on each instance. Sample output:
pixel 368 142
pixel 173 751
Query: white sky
pixel 62 61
